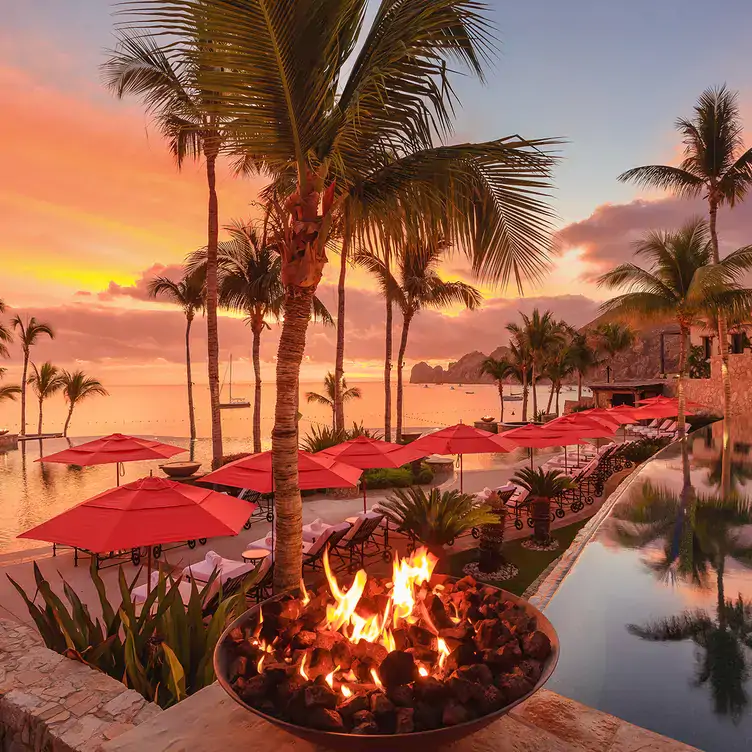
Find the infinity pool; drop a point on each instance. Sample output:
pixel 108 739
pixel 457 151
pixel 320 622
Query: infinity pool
pixel 655 618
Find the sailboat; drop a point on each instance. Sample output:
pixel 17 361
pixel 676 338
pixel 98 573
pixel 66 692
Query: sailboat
pixel 234 402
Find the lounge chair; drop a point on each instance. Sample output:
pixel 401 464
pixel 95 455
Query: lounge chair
pixel 312 557
pixel 314 529
pixel 360 542
pixel 228 569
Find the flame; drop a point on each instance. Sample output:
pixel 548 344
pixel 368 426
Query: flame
pixel 346 691
pixel 375 678
pixel 443 653
pixel 388 641
pixel 302 667
pixel 422 671
pixel 409 574
pixel 351 676
pixel 456 618
pixel 329 678
pixel 260 662
pixel 347 602
pixel 304 597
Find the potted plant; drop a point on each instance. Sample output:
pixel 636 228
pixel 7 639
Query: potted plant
pixel 490 558
pixel 435 518
pixel 542 486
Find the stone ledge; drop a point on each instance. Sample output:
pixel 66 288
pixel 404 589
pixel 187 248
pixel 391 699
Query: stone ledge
pixel 210 721
pixel 50 703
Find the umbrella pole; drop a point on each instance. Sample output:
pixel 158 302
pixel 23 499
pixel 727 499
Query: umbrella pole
pixel 531 458
pixel 363 483
pixel 148 571
pixel 461 480
pixel 566 466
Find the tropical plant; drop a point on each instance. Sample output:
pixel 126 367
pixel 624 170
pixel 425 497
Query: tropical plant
pixel 614 337
pixel 189 294
pixel 327 397
pixel 680 283
pixel 166 79
pixel 29 332
pixel 323 437
pixel 558 364
pixel 77 386
pixel 417 285
pixel 542 486
pixel 582 356
pixel 435 518
pixel 498 369
pixel 334 111
pixel 521 361
pixel 8 391
pixel 542 333
pixel 697 364
pixel 715 165
pixel 45 381
pixel 165 653
pixel 642 449
pixel 6 335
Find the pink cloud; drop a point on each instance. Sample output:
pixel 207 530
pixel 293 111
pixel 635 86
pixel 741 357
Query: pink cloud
pixel 139 290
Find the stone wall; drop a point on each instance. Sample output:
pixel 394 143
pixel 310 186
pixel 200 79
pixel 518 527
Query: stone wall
pixel 50 703
pixel 709 392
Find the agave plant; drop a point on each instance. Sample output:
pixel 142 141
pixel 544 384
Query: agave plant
pixel 435 518
pixel 164 652
pixel 542 486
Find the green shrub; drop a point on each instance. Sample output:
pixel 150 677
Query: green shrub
pixel 645 448
pixel 388 477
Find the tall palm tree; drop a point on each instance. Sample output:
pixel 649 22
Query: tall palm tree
pixel 186 115
pixel 680 283
pixel 416 286
pixel 77 386
pixel 327 398
pixel 29 332
pixel 557 367
pixel 715 164
pixel 333 109
pixel 498 369
pixel 583 357
pixel 522 361
pixel 6 335
pixel 190 294
pixel 8 391
pixel 614 337
pixel 45 381
pixel 542 333
pixel 250 281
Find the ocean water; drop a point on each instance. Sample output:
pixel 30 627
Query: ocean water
pixel 31 492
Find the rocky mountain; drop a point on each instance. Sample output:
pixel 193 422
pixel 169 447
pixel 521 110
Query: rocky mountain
pixel 642 361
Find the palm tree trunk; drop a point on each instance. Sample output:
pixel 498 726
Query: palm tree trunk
pixel 339 363
pixel 558 398
pixel 683 339
pixel 720 569
pixel 722 322
pixel 189 377
pixel 388 365
pixel 212 333
pixel 407 318
pixel 23 392
pixel 256 329
pixel 550 398
pixel 535 396
pixel 579 387
pixel 500 385
pixel 39 427
pixel 524 394
pixel 68 419
pixel 289 508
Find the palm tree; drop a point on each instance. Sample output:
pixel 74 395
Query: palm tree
pixel 186 115
pixel 613 338
pixel 77 386
pixel 715 164
pixel 8 391
pixel 557 367
pixel 46 381
pixel 189 294
pixel 29 332
pixel 327 398
pixel 6 335
pixel 542 333
pixel 333 109
pixel 416 286
pixel 543 486
pixel 681 283
pixel 498 369
pixel 521 360
pixel 583 357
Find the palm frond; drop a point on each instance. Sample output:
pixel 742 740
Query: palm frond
pixel 386 281
pixel 673 179
pixel 321 312
pixel 318 399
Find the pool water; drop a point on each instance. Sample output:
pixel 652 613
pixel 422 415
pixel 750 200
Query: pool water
pixel 655 618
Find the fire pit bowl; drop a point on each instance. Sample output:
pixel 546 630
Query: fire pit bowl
pixel 226 653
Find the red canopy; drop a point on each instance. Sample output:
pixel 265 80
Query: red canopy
pixel 314 471
pixel 623 413
pixel 583 426
pixel 367 453
pixel 539 437
pixel 146 512
pixel 462 439
pixel 668 409
pixel 114 448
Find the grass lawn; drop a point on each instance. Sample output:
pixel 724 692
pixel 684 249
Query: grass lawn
pixel 530 563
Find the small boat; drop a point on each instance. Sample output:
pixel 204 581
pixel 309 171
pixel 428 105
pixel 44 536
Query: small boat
pixel 512 398
pixel 469 392
pixel 234 402
pixel 451 388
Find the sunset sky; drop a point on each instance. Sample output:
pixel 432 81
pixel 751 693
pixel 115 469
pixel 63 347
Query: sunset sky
pixel 91 203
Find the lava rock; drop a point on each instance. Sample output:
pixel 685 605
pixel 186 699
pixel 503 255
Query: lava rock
pixel 514 685
pixel 320 696
pixel 398 668
pixel 277 672
pixel 342 655
pixel 466 583
pixel 455 636
pixel 405 723
pixel 532 669
pixel 371 650
pixel 401 696
pixel 381 704
pixel 354 704
pixel 362 670
pixel 366 729
pixel 284 691
pixel 290 610
pixel 255 690
pixel 488 633
pixel 321 663
pixel 325 719
pixel 536 646
pixel 363 716
pixel 424 655
pixel 427 716
pixel 439 614
pixel 454 713
pixel 503 658
pixel 430 690
pixel 421 636
pixel 313 616
pixel 465 691
pixel 401 639
pixel 327 639
pixel 478 672
pixel 304 639
pixel 239 667
pixel 367 608
pixel 493 699
pixel 462 655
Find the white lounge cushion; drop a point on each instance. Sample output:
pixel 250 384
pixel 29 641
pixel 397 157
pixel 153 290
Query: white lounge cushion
pixel 228 569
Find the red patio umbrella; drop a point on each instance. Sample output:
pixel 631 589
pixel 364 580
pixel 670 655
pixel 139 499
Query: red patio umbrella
pixel 115 448
pixel 660 410
pixel 660 400
pixel 146 512
pixel 540 437
pixel 584 425
pixel 462 439
pixel 367 453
